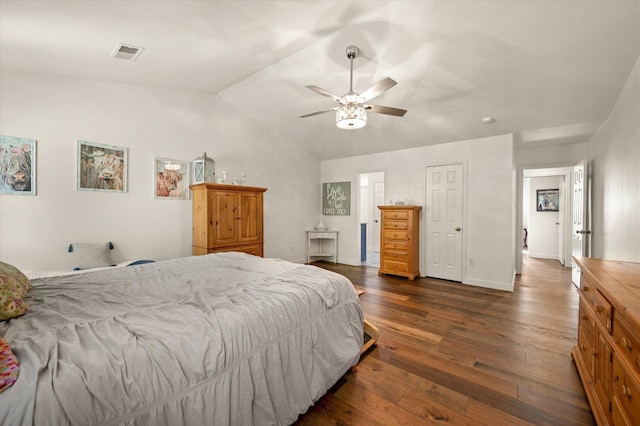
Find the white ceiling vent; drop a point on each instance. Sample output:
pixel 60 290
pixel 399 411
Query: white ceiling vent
pixel 127 52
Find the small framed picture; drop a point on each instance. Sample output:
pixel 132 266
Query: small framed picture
pixel 171 179
pixel 547 200
pixel 102 167
pixel 17 166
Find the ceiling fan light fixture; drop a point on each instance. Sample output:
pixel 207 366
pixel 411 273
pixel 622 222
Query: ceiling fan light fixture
pixel 351 116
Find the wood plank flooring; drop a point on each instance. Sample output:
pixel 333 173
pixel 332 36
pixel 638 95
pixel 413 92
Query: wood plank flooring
pixel 449 353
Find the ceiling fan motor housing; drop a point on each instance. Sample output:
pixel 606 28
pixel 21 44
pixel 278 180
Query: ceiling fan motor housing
pixel 352 51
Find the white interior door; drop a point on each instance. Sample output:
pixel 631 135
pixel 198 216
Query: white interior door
pixel 580 232
pixel 444 222
pixel 378 195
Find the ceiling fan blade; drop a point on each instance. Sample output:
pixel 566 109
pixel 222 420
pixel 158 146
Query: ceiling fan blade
pixel 326 93
pixel 311 114
pixel 377 89
pixel 385 110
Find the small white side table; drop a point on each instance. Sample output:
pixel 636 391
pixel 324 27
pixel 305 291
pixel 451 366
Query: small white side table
pixel 322 244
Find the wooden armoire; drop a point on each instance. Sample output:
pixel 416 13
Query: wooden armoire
pixel 227 218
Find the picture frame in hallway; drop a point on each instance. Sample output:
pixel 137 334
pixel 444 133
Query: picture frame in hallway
pixel 547 200
pixel 17 166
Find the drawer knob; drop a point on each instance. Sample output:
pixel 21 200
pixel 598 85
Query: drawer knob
pixel 626 391
pixel 586 288
pixel 626 344
pixel 598 308
pixel 584 347
pixel 585 317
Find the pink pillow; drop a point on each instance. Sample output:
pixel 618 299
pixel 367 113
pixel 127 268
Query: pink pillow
pixel 9 367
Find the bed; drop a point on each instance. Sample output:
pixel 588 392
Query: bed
pixel 224 338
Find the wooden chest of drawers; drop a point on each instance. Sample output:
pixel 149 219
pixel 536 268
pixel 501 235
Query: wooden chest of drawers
pixel 608 351
pixel 400 241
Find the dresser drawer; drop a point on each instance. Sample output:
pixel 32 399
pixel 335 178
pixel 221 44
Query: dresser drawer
pixel 392 234
pixel 395 214
pixel 396 224
pixel 586 350
pixel 255 250
pixel 626 394
pixel 396 256
pixel 396 245
pixel 587 290
pixel 627 340
pixel 586 321
pixel 603 310
pixel 394 266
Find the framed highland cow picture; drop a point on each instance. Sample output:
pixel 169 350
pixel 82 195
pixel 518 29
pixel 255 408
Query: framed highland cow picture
pixel 17 166
pixel 102 167
pixel 171 179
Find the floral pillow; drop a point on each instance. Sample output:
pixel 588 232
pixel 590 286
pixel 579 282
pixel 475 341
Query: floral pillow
pixel 13 290
pixel 9 366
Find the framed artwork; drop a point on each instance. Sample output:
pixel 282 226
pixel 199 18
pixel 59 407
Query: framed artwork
pixel 336 198
pixel 17 166
pixel 102 167
pixel 547 200
pixel 170 179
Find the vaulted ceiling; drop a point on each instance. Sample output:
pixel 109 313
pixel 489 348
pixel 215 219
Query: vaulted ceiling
pixel 547 71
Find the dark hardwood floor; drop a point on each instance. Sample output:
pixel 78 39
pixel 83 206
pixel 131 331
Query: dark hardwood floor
pixel 449 353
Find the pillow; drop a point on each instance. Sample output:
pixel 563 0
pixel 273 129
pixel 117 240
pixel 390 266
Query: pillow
pixel 14 287
pixel 89 255
pixel 9 366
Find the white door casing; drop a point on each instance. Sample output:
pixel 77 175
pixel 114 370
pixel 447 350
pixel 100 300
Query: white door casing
pixel 378 195
pixel 579 223
pixel 561 209
pixel 443 222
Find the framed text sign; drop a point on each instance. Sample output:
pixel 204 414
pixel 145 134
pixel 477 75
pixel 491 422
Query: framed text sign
pixel 336 198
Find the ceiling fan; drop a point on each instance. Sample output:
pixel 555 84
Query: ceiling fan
pixel 352 111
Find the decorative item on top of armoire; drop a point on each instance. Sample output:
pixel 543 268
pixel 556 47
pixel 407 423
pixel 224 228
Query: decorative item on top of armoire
pixel 400 241
pixel 204 169
pixel 607 353
pixel 227 218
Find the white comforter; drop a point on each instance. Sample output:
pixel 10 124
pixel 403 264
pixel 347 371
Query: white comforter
pixel 210 340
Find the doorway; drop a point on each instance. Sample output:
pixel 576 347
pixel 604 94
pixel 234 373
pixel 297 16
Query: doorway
pixel 372 187
pixel 544 234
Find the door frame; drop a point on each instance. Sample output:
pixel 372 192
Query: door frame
pixel 541 170
pixel 359 203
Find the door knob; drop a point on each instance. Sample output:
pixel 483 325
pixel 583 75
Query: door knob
pixel 458 228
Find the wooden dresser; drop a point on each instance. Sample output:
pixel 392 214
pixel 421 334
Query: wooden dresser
pixel 400 241
pixel 608 351
pixel 227 218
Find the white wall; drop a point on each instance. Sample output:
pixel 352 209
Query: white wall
pixel 36 230
pixel 489 221
pixel 614 159
pixel 543 226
